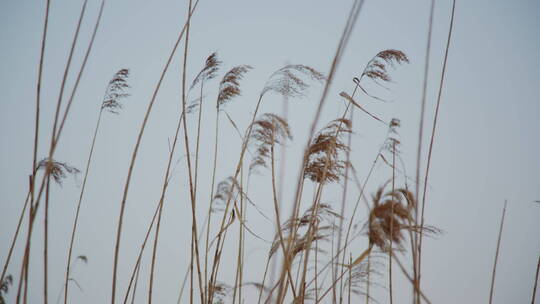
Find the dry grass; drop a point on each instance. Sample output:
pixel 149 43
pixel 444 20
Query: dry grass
pixel 311 252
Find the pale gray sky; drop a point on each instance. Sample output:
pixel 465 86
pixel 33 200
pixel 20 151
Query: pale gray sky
pixel 486 148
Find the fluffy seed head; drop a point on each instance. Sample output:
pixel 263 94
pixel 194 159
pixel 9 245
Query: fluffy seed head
pixel 116 91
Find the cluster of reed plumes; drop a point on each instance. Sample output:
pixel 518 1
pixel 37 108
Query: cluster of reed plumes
pixel 310 257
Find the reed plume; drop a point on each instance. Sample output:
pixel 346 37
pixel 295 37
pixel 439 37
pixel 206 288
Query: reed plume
pixel 388 210
pixel 229 87
pixel 393 217
pixel 209 71
pixel 114 93
pixel 136 150
pixel 325 152
pixel 377 67
pixel 377 70
pixel 223 194
pixel 4 287
pixel 273 84
pixel 57 170
pixel 291 80
pixel 268 131
pixel 55 137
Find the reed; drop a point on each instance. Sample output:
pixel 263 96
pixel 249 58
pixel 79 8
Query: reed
pixel 313 253
pixel 135 153
pixel 497 254
pixel 114 93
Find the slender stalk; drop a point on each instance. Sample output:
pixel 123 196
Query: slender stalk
pixel 333 269
pixel 364 254
pixel 497 254
pixel 238 276
pixel 277 211
pixel 210 205
pixel 46 243
pixel 416 250
pixel 23 268
pixel 66 71
pixel 187 271
pixel 317 262
pixel 215 266
pixel 344 195
pixel 136 268
pixel 350 280
pixel 154 252
pixel 75 222
pixel 135 287
pixel 198 137
pixel 38 95
pixel 191 272
pixel 368 277
pixel 329 263
pixel 197 162
pixel 183 286
pixel 134 157
pixel 54 141
pixel 430 151
pixel 536 281
pixel 166 181
pixel 243 210
pixel 324 173
pixel 282 167
pixel 264 278
pixel 408 276
pixel 311 231
pixel 36 137
pixel 351 21
pixel 16 235
pixel 195 243
pixel 390 290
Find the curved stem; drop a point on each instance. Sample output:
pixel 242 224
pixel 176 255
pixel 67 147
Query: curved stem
pixel 351 21
pixel 497 254
pixel 215 266
pixel 166 180
pixel 194 240
pixel 16 235
pixel 264 278
pixel 430 151
pixel 210 207
pixel 75 222
pixel 134 157
pixel 278 219
pixel 416 250
pixel 46 243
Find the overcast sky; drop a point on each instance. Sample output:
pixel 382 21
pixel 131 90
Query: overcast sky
pixel 486 150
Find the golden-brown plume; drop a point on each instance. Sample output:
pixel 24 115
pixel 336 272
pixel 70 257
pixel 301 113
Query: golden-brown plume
pixel 57 169
pixel 325 152
pixel 116 91
pixel 229 87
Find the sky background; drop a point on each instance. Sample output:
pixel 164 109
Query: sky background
pixel 486 149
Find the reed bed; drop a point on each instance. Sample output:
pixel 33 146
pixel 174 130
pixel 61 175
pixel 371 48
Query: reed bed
pixel 310 258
